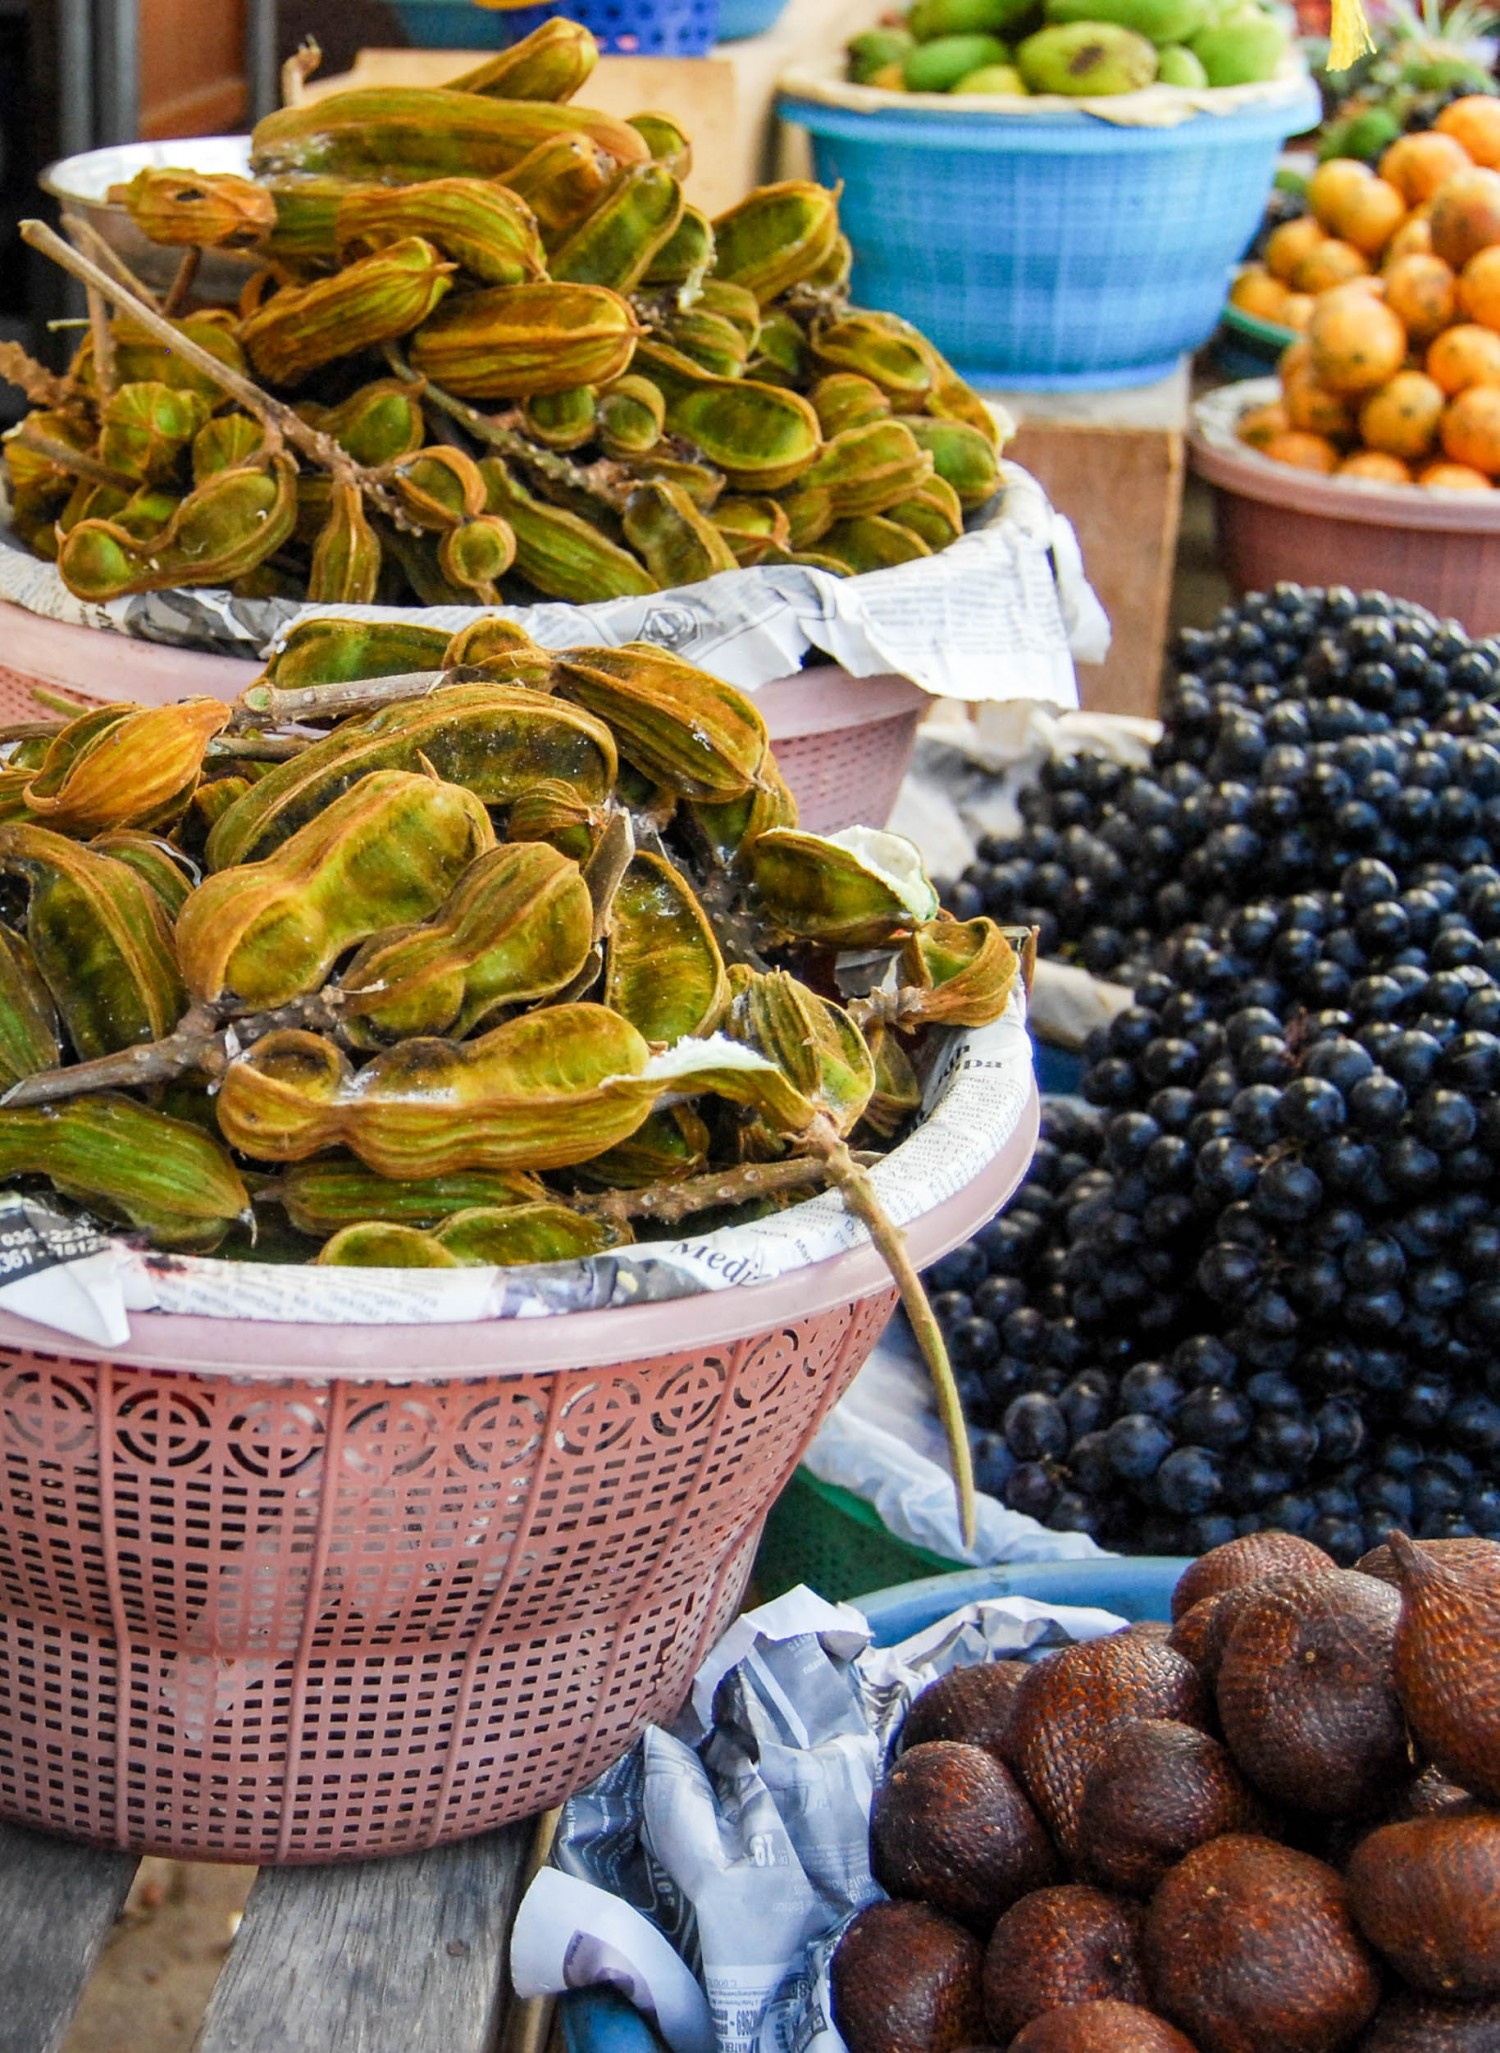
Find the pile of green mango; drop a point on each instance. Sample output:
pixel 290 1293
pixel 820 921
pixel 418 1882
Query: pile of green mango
pixel 1083 48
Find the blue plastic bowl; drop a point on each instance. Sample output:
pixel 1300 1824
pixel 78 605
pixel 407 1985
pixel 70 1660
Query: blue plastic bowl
pixel 633 28
pixel 1141 1586
pixel 1044 252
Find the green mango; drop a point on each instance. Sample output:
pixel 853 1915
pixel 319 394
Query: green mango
pixel 1177 66
pixel 1241 49
pixel 1159 21
pixel 938 66
pixel 869 52
pixel 992 78
pixel 1085 59
pixel 930 19
pixel 1367 135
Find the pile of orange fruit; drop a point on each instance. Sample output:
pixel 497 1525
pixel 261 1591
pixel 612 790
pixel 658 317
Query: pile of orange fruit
pixel 1393 282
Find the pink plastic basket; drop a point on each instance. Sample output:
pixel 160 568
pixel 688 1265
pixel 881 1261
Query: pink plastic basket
pixel 843 742
pixel 284 1593
pixel 1441 549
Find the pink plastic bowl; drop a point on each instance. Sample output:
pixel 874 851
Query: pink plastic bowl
pixel 843 743
pixel 283 1593
pixel 1441 549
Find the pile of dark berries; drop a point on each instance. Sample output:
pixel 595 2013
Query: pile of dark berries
pixel 1254 1279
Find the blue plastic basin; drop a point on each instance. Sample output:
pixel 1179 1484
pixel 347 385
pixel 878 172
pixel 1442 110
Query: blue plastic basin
pixel 1050 252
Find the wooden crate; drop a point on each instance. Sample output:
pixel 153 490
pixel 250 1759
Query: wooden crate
pixel 1113 462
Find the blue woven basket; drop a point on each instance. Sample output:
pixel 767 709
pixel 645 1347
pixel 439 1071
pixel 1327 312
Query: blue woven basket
pixel 632 28
pixel 1050 252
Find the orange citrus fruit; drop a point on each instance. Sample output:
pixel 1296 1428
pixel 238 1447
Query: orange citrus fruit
pixel 1296 310
pixel 1256 292
pixel 1330 262
pixel 1357 343
pixel 1474 123
pixel 1372 217
pixel 1401 417
pixel 1422 293
pixel 1465 215
pixel 1412 238
pixel 1454 477
pixel 1479 287
pixel 1464 356
pixel 1287 245
pixel 1375 464
pixel 1471 428
pixel 1418 164
pixel 1305 452
pixel 1261 423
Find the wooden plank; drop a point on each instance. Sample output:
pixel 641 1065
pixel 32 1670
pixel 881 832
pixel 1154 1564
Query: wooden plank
pixel 373 1955
pixel 57 1904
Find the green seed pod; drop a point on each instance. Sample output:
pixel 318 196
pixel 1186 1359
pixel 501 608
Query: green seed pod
pixel 889 352
pixel 710 341
pixel 866 469
pixel 614 245
pixel 375 1246
pixel 387 852
pixel 378 424
pixel 161 1175
pixel 395 134
pixel 165 868
pixel 729 830
pixel 961 457
pixel 780 350
pixel 679 544
pixel 814 1045
pixel 856 889
pixel 517 927
pixel 339 651
pixel 679 726
pixel 494 739
pixel 477 555
pixel 967 969
pixel 933 513
pixel 663 970
pixel 776 237
pixel 482 226
pixel 346 558
pixel 687 257
pixel 302 327
pixel 307 211
pixel 870 543
pixel 562 180
pixel 543 1091
pixel 224 443
pixel 557 551
pixel 562 420
pixel 760 436
pixel 631 416
pixel 135 769
pixel 552 63
pixel 146 427
pixel 509 342
pixel 753 528
pixel 665 140
pixel 844 399
pixel 100 940
pixel 206 210
pixel 898 1090
pixel 28 1018
pixel 224 528
pixel 323 1196
pixel 809 515
pixel 670 1143
pixel 510 1236
pixel 504 651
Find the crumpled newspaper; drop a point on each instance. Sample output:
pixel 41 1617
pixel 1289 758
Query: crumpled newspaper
pixel 742 1834
pixel 1000 613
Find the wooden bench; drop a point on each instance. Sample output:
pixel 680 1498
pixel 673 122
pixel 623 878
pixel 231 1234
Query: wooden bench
pixel 365 1957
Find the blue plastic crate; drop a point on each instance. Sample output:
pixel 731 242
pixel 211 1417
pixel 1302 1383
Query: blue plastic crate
pixel 1050 252
pixel 741 18
pixel 633 28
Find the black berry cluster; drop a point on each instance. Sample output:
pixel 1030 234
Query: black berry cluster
pixel 1255 1279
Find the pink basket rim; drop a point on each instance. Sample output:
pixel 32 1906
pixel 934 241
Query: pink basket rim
pixel 1364 501
pixel 259 1350
pixel 99 662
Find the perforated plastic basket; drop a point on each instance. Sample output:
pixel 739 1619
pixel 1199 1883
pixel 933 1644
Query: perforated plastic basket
pixel 633 28
pixel 843 743
pixel 276 1592
pixel 1049 251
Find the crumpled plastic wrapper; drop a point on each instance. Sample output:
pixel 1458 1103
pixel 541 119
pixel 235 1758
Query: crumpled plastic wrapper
pixel 742 1833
